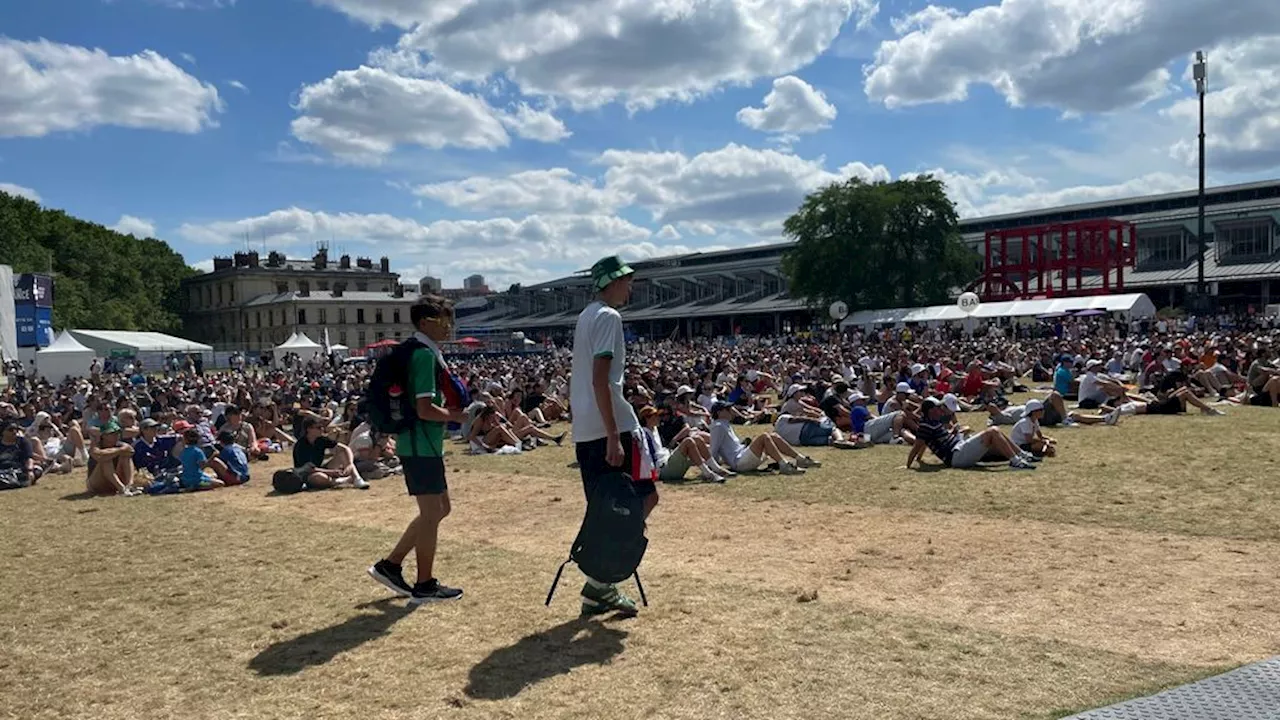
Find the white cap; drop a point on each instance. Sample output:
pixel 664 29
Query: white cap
pixel 1093 364
pixel 793 389
pixel 1032 406
pixel 951 402
pixel 856 396
pixel 917 369
pixel 684 390
pixel 904 388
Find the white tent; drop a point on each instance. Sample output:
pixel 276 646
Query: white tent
pixel 8 318
pixel 297 343
pixel 105 341
pixel 1133 305
pixel 64 358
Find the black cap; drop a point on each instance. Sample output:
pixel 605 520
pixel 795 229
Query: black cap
pixel 719 406
pixel 930 404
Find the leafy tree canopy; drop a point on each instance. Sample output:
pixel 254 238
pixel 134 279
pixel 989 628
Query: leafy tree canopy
pixel 877 245
pixel 102 280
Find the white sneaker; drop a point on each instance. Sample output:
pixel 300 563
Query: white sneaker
pixel 360 483
pixel 711 477
pixel 1113 417
pixel 1212 411
pixel 1019 463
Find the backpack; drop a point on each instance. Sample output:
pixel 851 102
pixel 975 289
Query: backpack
pixel 287 481
pixel 391 406
pixel 611 542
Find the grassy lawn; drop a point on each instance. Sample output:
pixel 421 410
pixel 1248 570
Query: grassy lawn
pixel 1144 557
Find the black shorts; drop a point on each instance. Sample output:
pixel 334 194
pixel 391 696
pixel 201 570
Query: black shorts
pixel 1168 406
pixel 1089 404
pixel 592 464
pixel 1260 399
pixel 424 475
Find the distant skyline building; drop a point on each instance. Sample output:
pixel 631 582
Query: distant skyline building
pixel 473 282
pixel 429 284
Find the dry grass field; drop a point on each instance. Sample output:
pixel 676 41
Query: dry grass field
pixel 1144 557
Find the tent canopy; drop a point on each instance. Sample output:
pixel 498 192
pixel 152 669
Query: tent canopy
pixel 65 343
pixel 298 341
pixel 1133 304
pixel 104 341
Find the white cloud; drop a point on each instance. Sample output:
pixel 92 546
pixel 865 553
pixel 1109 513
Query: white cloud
pixel 19 191
pixel 188 58
pixel 792 106
pixel 1242 109
pixel 48 87
pixel 668 232
pixel 361 115
pixel 593 52
pixel 238 85
pixel 204 266
pixel 536 191
pixel 137 227
pixel 1078 55
pixel 1001 192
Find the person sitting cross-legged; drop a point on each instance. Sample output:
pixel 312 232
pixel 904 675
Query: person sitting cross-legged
pixel 937 433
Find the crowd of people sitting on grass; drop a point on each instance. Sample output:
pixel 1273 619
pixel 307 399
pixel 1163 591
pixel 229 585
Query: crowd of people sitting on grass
pixel 718 407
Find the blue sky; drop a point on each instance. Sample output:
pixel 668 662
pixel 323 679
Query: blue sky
pixel 522 139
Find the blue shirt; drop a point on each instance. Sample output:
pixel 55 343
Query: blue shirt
pixel 233 455
pixel 858 416
pixel 192 466
pixel 156 456
pixel 1062 378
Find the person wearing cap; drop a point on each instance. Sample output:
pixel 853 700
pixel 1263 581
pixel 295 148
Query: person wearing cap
pixel 671 464
pixel 1098 391
pixel 49 448
pixel 726 447
pixel 900 399
pixel 1064 378
pixel 887 429
pixel 936 433
pixel 111 464
pixel 1026 433
pixel 17 466
pixel 152 451
pixel 605 426
pixel 797 402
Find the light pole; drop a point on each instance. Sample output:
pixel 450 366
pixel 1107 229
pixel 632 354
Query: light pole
pixel 1201 74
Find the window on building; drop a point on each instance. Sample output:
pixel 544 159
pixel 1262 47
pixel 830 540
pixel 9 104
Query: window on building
pixel 398 334
pixel 381 335
pixel 342 337
pixel 395 318
pixel 231 293
pixel 1162 247
pixel 257 319
pixel 362 286
pixel 324 319
pixel 1245 240
pixel 282 287
pixel 271 319
pixel 360 339
pixel 302 317
pixel 208 295
pixel 220 295
pixel 284 319
pixel 377 316
pixel 342 317
pixel 304 287
pixel 360 317
pixel 246 322
pixel 323 285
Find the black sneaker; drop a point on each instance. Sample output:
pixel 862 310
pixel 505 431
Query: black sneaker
pixel 432 591
pixel 391 577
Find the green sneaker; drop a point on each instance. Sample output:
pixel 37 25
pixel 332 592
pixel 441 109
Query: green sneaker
pixel 601 600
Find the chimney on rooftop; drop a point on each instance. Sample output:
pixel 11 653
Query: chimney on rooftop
pixel 364 263
pixel 385 264
pixel 322 259
pixel 344 262
pixel 252 258
pixel 339 288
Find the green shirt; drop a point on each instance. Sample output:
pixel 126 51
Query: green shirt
pixel 424 439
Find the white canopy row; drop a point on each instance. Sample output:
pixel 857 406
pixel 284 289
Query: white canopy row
pixel 1130 305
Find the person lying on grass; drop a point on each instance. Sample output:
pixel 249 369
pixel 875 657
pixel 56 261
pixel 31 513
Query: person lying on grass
pixel 937 433
pixel 1053 413
pixel 726 446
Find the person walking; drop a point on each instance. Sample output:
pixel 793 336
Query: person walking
pixel 421 451
pixel 605 427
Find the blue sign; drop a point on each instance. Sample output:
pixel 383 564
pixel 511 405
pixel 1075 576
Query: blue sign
pixel 35 325
pixel 33 289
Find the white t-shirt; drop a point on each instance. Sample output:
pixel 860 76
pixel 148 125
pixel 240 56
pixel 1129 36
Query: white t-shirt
pixel 1089 389
pixel 790 431
pixel 1023 431
pixel 598 334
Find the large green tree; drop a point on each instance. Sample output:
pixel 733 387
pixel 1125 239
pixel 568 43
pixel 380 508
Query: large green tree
pixel 102 279
pixel 877 245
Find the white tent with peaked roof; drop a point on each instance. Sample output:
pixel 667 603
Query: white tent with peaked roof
pixel 298 342
pixel 64 358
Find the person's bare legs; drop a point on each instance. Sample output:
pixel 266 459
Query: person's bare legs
pixel 1189 398
pixel 783 446
pixel 103 480
pixel 1000 443
pixel 691 450
pixel 124 470
pixel 1272 388
pixel 501 436
pixel 900 429
pixel 78 451
pixel 1083 419
pixel 762 446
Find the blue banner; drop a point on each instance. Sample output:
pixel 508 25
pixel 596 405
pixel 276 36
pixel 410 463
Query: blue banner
pixel 35 325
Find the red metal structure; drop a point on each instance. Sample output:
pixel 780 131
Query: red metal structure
pixel 1053 260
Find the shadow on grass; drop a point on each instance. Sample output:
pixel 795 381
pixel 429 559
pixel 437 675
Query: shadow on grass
pixel 541 656
pixel 290 657
pixel 82 495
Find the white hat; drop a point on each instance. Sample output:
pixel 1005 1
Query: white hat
pixel 903 388
pixel 917 369
pixel 1032 406
pixel 951 402
pixel 793 389
pixel 856 396
pixel 1093 364
pixel 684 390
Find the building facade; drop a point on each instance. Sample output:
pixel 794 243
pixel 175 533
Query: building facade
pixel 252 303
pixel 745 290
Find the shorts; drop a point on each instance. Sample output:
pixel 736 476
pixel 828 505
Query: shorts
pixel 880 429
pixel 748 461
pixel 1168 406
pixel 677 465
pixel 592 464
pixel 1260 399
pixel 1026 447
pixel 424 475
pixel 1089 404
pixel 816 434
pixel 968 453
